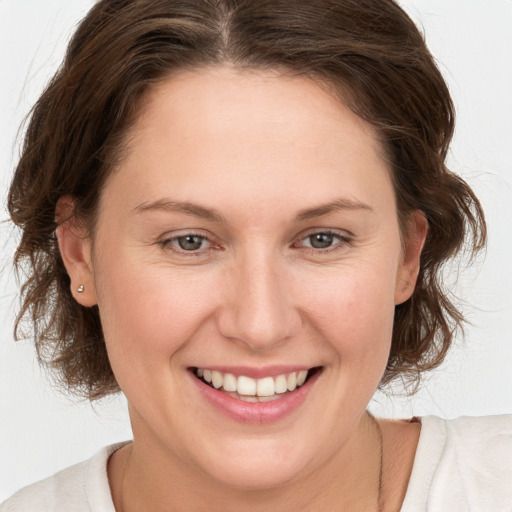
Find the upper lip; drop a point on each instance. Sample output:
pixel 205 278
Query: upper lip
pixel 257 372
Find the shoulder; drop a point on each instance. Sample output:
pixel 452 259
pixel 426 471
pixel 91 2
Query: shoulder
pixel 80 488
pixel 459 432
pixel 475 443
pixel 462 464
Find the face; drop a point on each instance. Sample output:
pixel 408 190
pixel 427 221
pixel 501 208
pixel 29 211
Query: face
pixel 250 231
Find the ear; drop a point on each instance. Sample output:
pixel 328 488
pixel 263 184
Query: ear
pixel 76 251
pixel 414 240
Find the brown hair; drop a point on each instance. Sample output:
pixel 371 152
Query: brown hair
pixel 367 50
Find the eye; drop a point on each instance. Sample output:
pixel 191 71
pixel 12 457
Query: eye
pixel 190 242
pixel 324 241
pixel 321 240
pixel 187 243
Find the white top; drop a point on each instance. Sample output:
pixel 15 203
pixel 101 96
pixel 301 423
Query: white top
pixel 460 465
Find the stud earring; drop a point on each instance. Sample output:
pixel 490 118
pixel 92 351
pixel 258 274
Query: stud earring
pixel 80 289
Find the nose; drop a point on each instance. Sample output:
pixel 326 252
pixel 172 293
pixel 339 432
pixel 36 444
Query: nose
pixel 259 310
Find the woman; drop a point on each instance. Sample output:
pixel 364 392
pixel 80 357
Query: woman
pixel 251 210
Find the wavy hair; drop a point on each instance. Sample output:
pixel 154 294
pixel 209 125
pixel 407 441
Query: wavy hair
pixel 368 51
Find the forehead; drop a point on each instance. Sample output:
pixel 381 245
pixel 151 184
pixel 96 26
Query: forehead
pixel 250 100
pixel 259 133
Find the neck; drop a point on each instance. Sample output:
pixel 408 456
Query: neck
pixel 145 476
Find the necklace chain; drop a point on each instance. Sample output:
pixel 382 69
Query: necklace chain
pixel 381 462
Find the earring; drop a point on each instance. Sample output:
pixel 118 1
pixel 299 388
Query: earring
pixel 80 289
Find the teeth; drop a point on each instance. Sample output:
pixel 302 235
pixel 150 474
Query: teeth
pixel 265 387
pixel 253 389
pixel 301 378
pixel 230 382
pixel 217 380
pixel 291 381
pixel 281 386
pixel 246 386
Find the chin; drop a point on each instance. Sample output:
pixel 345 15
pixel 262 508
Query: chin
pixel 257 465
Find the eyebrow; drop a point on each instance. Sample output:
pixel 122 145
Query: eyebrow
pixel 334 206
pixel 181 207
pixel 212 215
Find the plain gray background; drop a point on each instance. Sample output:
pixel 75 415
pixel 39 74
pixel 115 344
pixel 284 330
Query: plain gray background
pixel 42 431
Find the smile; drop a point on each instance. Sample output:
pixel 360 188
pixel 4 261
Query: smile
pixel 266 397
pixel 253 390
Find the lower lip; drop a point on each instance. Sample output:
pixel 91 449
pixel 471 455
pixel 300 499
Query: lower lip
pixel 256 412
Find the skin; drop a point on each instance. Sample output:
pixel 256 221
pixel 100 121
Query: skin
pixel 258 148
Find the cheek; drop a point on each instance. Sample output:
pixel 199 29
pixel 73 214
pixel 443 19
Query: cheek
pixel 154 311
pixel 354 311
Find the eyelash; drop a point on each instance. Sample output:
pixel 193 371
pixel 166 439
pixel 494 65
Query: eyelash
pixel 342 240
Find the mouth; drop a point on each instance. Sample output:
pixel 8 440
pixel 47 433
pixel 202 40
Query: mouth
pixel 247 389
